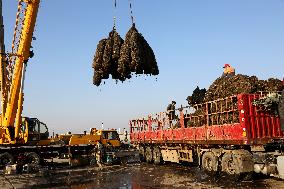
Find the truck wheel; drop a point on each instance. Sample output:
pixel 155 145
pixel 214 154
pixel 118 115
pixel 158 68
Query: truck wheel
pixel 142 153
pixel 244 164
pixel 92 157
pixel 33 158
pixel 210 162
pixel 149 154
pixel 238 164
pixel 93 161
pixel 157 156
pixel 230 165
pixel 6 158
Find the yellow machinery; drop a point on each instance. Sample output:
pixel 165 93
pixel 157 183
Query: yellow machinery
pixel 14 129
pixel 29 134
pixel 107 147
pixel 105 137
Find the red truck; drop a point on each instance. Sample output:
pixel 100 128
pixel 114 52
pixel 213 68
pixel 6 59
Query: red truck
pixel 230 135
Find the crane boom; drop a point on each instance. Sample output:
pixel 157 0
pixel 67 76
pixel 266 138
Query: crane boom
pixel 3 65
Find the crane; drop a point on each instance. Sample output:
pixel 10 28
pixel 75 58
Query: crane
pixel 28 137
pixel 14 129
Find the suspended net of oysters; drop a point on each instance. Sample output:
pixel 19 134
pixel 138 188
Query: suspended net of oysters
pixel 120 58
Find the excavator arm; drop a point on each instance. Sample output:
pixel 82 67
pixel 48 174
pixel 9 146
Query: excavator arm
pixel 13 105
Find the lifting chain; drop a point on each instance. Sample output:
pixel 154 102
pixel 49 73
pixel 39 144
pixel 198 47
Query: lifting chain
pixel 114 17
pixel 131 12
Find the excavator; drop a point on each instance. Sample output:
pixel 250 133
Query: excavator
pixel 29 137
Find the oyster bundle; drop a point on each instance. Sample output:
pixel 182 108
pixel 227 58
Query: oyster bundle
pixel 106 58
pixel 120 58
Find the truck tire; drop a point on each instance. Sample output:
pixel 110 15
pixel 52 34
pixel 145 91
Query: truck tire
pixel 238 164
pixel 210 162
pixel 230 165
pixel 33 158
pixel 157 156
pixel 6 158
pixel 142 153
pixel 149 155
pixel 93 161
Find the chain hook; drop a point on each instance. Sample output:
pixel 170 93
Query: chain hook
pixel 114 17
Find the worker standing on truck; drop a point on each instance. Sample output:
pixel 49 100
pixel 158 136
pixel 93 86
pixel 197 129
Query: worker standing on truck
pixel 125 135
pixel 229 71
pixel 171 111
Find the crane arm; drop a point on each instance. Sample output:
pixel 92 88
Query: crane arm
pixel 3 64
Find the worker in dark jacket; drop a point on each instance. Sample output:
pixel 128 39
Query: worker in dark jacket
pixel 171 110
pixel 229 71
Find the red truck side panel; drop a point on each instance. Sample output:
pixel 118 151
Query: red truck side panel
pixel 243 123
pixel 261 126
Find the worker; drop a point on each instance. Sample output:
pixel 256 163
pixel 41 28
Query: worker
pixel 125 136
pixel 171 110
pixel 229 71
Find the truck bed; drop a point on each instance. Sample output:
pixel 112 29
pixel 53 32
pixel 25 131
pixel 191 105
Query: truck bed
pixel 232 121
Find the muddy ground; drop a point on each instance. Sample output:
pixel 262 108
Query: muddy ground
pixel 134 176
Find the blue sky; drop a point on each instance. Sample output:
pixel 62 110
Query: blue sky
pixel 192 39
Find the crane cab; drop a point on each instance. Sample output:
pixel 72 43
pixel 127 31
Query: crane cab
pixel 34 132
pixel 109 137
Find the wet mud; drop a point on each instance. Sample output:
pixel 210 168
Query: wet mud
pixel 134 176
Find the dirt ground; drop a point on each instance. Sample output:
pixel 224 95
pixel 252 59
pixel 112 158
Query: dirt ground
pixel 134 176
